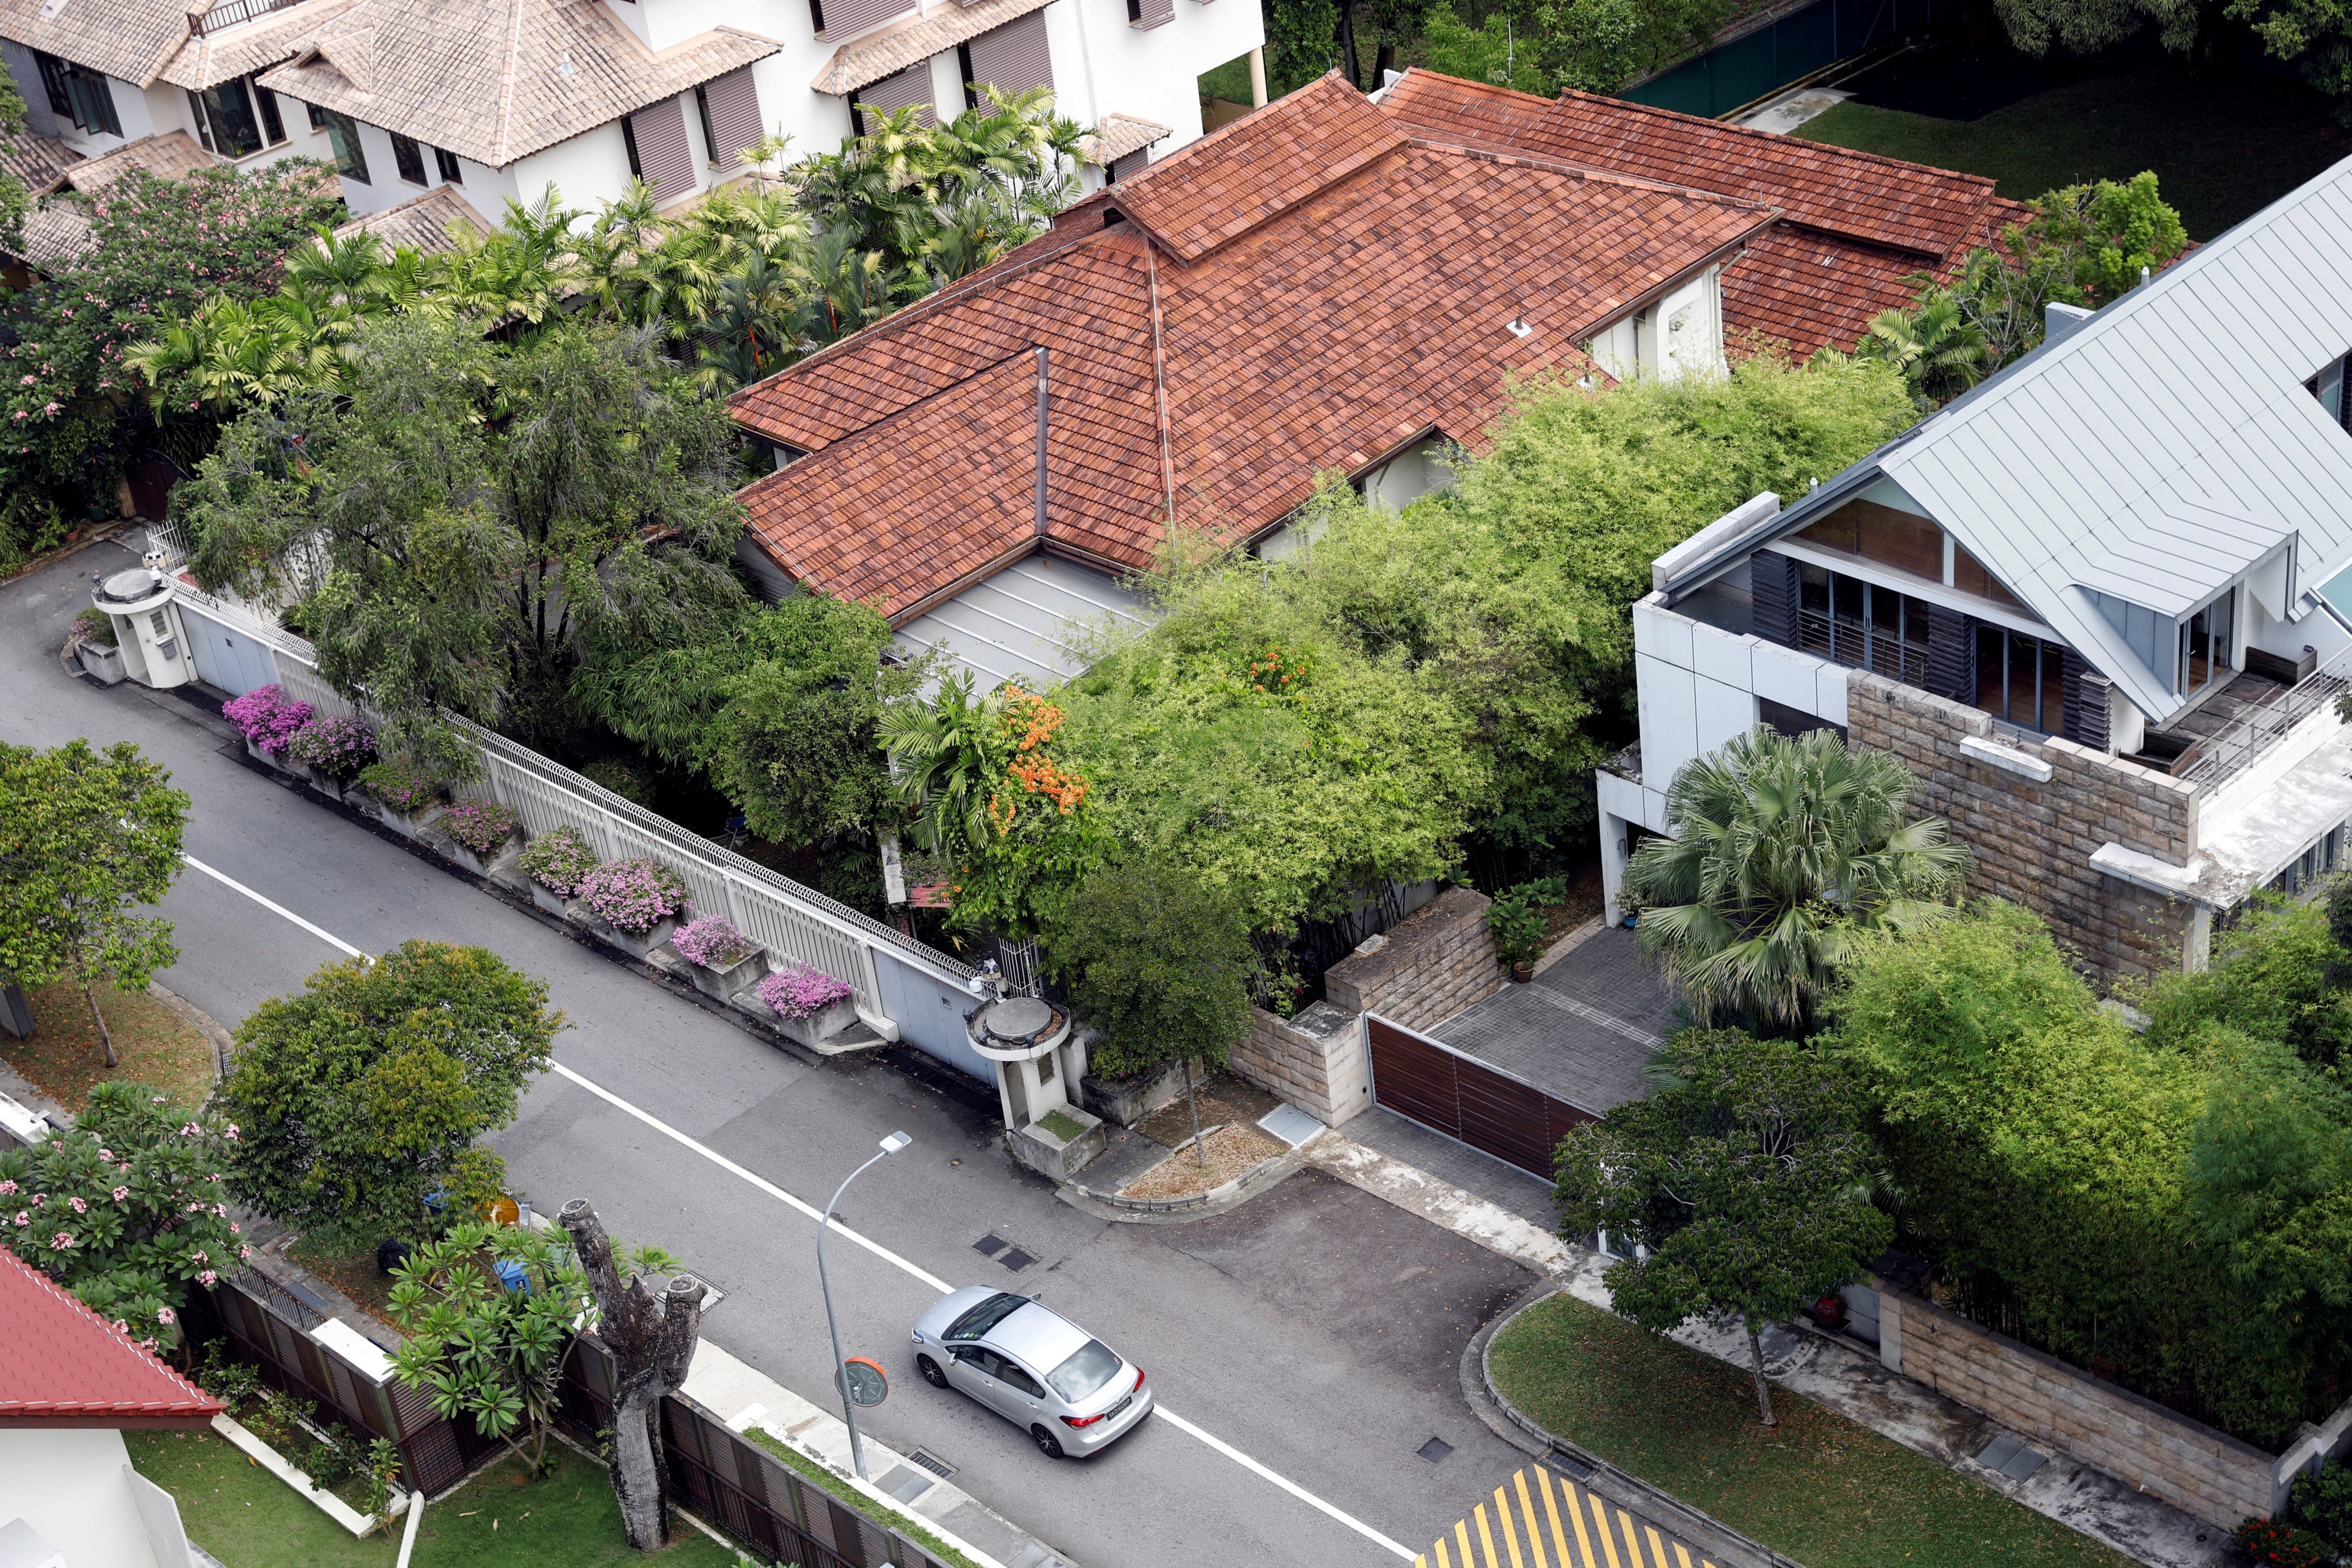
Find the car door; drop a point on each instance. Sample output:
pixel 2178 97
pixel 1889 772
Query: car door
pixel 1024 1395
pixel 975 1371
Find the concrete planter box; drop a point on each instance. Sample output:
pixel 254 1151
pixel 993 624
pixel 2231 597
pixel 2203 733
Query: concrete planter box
pixel 810 1031
pixel 720 985
pixel 103 661
pixel 640 947
pixel 1048 1152
pixel 414 824
pixel 327 784
pixel 267 760
pixel 555 903
pixel 483 865
pixel 1128 1101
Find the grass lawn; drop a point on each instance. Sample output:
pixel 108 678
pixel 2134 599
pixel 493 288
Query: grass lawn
pixel 1820 1488
pixel 247 1518
pixel 158 1047
pixel 353 1273
pixel 2222 147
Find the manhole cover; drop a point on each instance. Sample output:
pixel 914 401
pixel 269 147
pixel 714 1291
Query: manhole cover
pixel 1016 1260
pixel 989 1246
pixel 1434 1449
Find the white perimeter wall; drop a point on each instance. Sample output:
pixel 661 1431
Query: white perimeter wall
pixel 74 1487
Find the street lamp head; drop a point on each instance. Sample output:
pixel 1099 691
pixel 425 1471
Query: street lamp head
pixel 897 1141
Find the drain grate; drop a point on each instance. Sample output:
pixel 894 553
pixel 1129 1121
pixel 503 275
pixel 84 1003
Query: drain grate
pixel 1576 1468
pixel 1434 1450
pixel 1016 1260
pixel 931 1462
pixel 2011 1457
pixel 990 1246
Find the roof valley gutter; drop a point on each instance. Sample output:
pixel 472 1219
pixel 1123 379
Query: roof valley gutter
pixel 1041 402
pixel 1159 386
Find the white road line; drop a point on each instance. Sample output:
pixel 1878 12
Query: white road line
pixel 772 1190
pixel 276 908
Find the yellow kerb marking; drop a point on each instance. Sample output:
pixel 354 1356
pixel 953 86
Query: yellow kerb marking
pixel 1462 1535
pixel 1510 1535
pixel 1657 1549
pixel 1576 1518
pixel 1681 1556
pixel 1443 1560
pixel 1487 1538
pixel 1535 1525
pixel 1608 1543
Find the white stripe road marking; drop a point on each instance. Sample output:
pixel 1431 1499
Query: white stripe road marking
pixel 329 937
pixel 772 1190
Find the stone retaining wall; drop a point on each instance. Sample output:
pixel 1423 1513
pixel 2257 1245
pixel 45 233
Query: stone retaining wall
pixel 2189 1465
pixel 1432 964
pixel 1314 1062
pixel 2034 838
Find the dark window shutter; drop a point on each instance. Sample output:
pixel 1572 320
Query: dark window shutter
pixel 2087 720
pixel 1134 163
pixel 910 89
pixel 1150 12
pixel 735 124
pixel 844 17
pixel 1951 655
pixel 663 151
pixel 408 158
pixel 1772 586
pixel 272 123
pixel 1013 58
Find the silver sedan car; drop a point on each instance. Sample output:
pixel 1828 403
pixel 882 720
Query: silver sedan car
pixel 1033 1366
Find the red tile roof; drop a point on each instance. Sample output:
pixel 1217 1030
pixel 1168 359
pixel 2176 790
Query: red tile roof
pixel 63 1365
pixel 1299 329
pixel 1857 232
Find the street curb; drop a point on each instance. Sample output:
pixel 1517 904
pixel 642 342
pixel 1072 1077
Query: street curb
pixel 1224 1199
pixel 1721 1544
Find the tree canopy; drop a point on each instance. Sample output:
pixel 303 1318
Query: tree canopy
pixel 361 1097
pixel 1158 964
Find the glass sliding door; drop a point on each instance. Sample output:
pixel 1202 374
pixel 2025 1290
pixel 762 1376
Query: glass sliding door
pixel 2206 644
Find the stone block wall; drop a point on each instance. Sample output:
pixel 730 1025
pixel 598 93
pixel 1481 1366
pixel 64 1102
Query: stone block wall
pixel 2034 838
pixel 1314 1062
pixel 2189 1465
pixel 1435 961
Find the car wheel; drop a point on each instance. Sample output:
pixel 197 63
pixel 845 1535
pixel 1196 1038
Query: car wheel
pixel 930 1371
pixel 1048 1444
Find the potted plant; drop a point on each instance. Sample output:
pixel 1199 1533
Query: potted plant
pixel 479 834
pixel 810 1005
pixel 334 750
pixel 638 900
pixel 404 797
pixel 557 862
pixel 719 959
pixel 93 643
pixel 1516 919
pixel 269 720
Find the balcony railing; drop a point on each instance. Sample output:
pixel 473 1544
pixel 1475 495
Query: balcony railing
pixel 2236 745
pixel 230 12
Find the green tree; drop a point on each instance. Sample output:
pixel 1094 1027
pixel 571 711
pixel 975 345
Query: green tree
pixel 489 517
pixel 124 1210
pixel 947 754
pixel 489 1311
pixel 361 1097
pixel 85 837
pixel 1780 850
pixel 1498 50
pixel 1937 349
pixel 1747 1178
pixel 1159 966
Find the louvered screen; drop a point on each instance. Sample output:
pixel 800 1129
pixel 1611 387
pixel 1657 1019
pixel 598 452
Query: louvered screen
pixel 734 116
pixel 1014 58
pixel 844 17
pixel 663 151
pixel 1134 163
pixel 910 89
pixel 1151 13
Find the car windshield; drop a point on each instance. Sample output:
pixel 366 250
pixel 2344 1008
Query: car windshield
pixel 987 1315
pixel 1094 1365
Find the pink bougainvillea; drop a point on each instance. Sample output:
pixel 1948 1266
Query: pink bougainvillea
pixel 712 941
pixel 269 718
pixel 634 895
pixel 799 992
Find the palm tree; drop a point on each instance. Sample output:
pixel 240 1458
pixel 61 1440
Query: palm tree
pixel 1781 848
pixel 1939 352
pixel 946 756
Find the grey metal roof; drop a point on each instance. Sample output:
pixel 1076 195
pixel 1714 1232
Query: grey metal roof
pixel 1042 617
pixel 2160 448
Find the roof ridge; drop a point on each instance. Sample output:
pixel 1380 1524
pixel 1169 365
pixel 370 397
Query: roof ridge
pixel 1494 154
pixel 1625 104
pixel 511 51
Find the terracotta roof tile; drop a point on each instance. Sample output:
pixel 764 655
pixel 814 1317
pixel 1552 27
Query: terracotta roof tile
pixel 169 156
pixel 211 58
pixel 1352 319
pixel 494 80
pixel 62 1365
pixel 1237 177
pixel 40 162
pixel 130 39
pixel 420 222
pixel 914 38
pixel 1120 134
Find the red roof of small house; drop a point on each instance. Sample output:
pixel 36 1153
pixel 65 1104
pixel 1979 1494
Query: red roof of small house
pixel 1857 231
pixel 63 1365
pixel 1309 289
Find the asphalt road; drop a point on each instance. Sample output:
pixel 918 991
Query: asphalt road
pixel 1316 1330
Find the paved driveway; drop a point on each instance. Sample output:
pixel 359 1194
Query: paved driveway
pixel 1316 1331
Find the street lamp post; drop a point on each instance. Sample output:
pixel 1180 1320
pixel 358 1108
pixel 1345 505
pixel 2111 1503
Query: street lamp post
pixel 890 1146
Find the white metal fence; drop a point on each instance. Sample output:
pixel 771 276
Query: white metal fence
pixel 794 923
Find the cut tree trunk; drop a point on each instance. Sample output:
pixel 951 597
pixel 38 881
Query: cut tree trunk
pixel 89 995
pixel 1199 1151
pixel 652 1341
pixel 1763 1390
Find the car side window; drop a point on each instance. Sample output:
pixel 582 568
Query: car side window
pixel 985 1362
pixel 1016 1377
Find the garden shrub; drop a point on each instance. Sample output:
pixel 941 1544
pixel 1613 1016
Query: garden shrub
pixel 269 718
pixel 480 825
pixel 559 860
pixel 622 778
pixel 403 786
pixel 1159 963
pixel 799 992
pixel 339 747
pixel 2322 1504
pixel 2274 1544
pixel 634 895
pixel 93 625
pixel 712 941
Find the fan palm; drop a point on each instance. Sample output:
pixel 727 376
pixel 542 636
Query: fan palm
pixel 1782 846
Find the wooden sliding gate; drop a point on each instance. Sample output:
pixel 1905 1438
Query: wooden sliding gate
pixel 1467 1100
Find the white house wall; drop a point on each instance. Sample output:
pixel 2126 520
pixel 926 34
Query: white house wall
pixel 72 1486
